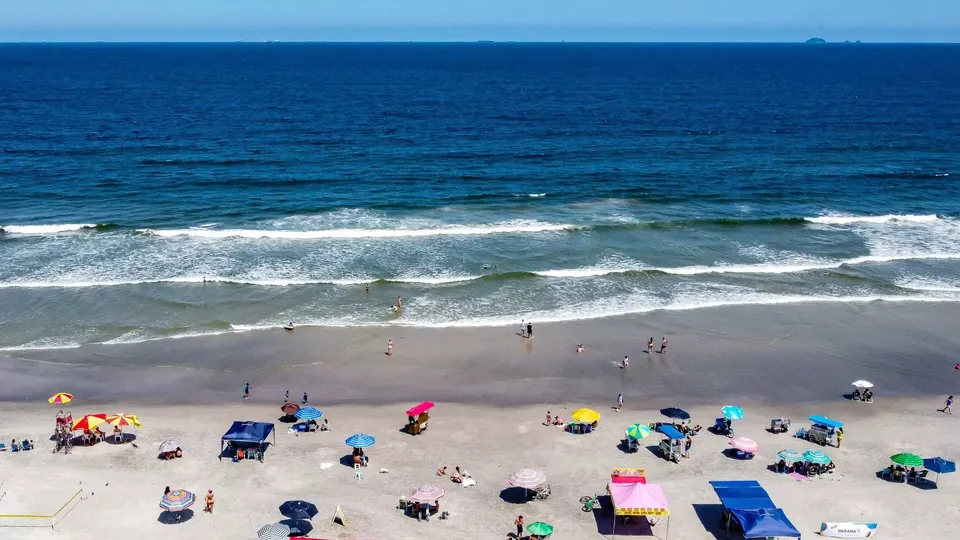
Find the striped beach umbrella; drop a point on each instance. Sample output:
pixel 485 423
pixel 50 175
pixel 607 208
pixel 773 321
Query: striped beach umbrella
pixel 60 397
pixel 585 416
pixel 308 413
pixel 790 455
pixel 745 444
pixel 177 500
pixel 426 494
pixel 816 456
pixel 527 478
pixel 88 422
pixel 638 431
pixel 274 531
pixel 907 459
pixel 540 529
pixel 360 440
pixel 123 420
pixel 732 412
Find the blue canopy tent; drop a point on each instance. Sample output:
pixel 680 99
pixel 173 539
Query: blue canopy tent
pixel 247 433
pixel 747 503
pixel 671 432
pixel 824 421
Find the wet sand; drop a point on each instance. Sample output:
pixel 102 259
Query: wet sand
pixel 794 353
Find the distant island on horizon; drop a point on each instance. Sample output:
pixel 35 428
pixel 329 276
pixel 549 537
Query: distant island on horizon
pixel 816 41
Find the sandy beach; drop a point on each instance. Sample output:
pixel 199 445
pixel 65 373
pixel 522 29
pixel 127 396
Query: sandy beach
pixel 493 389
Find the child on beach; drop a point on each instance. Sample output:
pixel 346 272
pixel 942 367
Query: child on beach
pixel 663 345
pixel 389 347
pixel 946 405
pixel 650 346
pixel 547 423
pixel 523 328
pixel 286 397
pixel 246 391
pixel 619 402
pixel 304 402
pixel 209 502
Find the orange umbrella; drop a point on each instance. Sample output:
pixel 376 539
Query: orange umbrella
pixel 89 422
pixel 60 397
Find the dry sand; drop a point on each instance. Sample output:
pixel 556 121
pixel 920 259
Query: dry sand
pixel 493 390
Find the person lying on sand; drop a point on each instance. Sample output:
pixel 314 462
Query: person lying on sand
pixel 442 471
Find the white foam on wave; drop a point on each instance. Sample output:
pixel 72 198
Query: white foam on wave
pixel 930 284
pixel 46 229
pixel 280 282
pixel 536 195
pixel 450 230
pixel 889 218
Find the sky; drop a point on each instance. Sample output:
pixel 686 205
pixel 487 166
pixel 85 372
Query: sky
pixel 455 20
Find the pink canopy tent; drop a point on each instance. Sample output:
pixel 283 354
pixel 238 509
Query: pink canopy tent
pixel 638 500
pixel 421 408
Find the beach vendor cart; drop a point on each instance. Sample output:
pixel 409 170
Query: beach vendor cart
pixel 823 431
pixel 671 448
pixel 779 425
pixel 628 475
pixel 418 417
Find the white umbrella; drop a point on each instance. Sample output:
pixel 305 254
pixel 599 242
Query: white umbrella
pixel 527 478
pixel 169 446
pixel 862 384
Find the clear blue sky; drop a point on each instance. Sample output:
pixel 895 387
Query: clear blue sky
pixel 522 20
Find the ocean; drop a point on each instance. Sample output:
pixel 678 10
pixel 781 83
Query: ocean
pixel 164 191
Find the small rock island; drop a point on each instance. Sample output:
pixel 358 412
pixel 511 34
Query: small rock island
pixel 816 41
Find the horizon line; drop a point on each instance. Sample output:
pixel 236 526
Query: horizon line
pixel 462 41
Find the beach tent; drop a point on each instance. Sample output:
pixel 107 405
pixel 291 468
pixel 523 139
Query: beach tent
pixel 747 503
pixel 247 432
pixel 638 500
pixel 671 432
pixel 824 421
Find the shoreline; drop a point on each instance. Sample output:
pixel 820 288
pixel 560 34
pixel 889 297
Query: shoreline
pixel 807 353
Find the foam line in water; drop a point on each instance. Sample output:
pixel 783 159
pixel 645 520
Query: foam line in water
pixel 889 218
pixel 46 229
pixel 500 228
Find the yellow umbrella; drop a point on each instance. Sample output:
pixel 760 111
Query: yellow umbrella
pixel 60 397
pixel 585 416
pixel 118 420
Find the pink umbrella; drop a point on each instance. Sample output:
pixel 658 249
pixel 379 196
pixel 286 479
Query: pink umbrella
pixel 745 444
pixel 426 494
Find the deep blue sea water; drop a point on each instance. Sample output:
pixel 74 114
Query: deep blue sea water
pixel 484 183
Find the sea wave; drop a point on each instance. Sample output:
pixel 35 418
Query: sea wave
pixel 279 282
pixel 46 229
pixel 888 218
pixel 465 230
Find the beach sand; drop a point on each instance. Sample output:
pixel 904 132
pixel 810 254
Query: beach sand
pixel 493 389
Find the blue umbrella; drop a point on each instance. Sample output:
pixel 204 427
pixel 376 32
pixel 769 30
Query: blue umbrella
pixel 939 465
pixel 308 413
pixel 360 440
pixel 732 412
pixel 676 413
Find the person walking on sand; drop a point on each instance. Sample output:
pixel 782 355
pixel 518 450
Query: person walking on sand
pixel 946 405
pixel 286 397
pixel 663 345
pixel 839 436
pixel 687 446
pixel 209 502
pixel 389 347
pixel 619 402
pixel 547 423
pixel 519 523
pixel 246 391
pixel 650 346
pixel 304 402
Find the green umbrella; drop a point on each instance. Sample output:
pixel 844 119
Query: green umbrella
pixel 790 455
pixel 638 431
pixel 816 456
pixel 907 459
pixel 540 528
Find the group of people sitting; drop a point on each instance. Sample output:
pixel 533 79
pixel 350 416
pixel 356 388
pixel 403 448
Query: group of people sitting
pixel 22 445
pixel 804 468
pixel 867 395
pixel 91 437
pixel 359 458
pixel 419 509
pixel 457 477
pixel 901 474
pixel 240 453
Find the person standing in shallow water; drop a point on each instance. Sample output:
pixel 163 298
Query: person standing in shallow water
pixel 650 346
pixel 663 345
pixel 529 330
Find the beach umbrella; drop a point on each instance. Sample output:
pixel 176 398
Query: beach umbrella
pixel 638 431
pixel 732 412
pixel 790 455
pixel 308 413
pixel 169 446
pixel 585 416
pixel 676 413
pixel 177 500
pixel 88 422
pixel 60 397
pixel 290 409
pixel 274 531
pixel 540 528
pixel 862 384
pixel 816 456
pixel 745 444
pixel 360 440
pixel 298 510
pixel 907 459
pixel 426 494
pixel 939 465
pixel 298 527
pixel 527 478
pixel 118 420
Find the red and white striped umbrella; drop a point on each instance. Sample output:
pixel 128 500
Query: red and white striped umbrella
pixel 426 494
pixel 745 444
pixel 527 478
